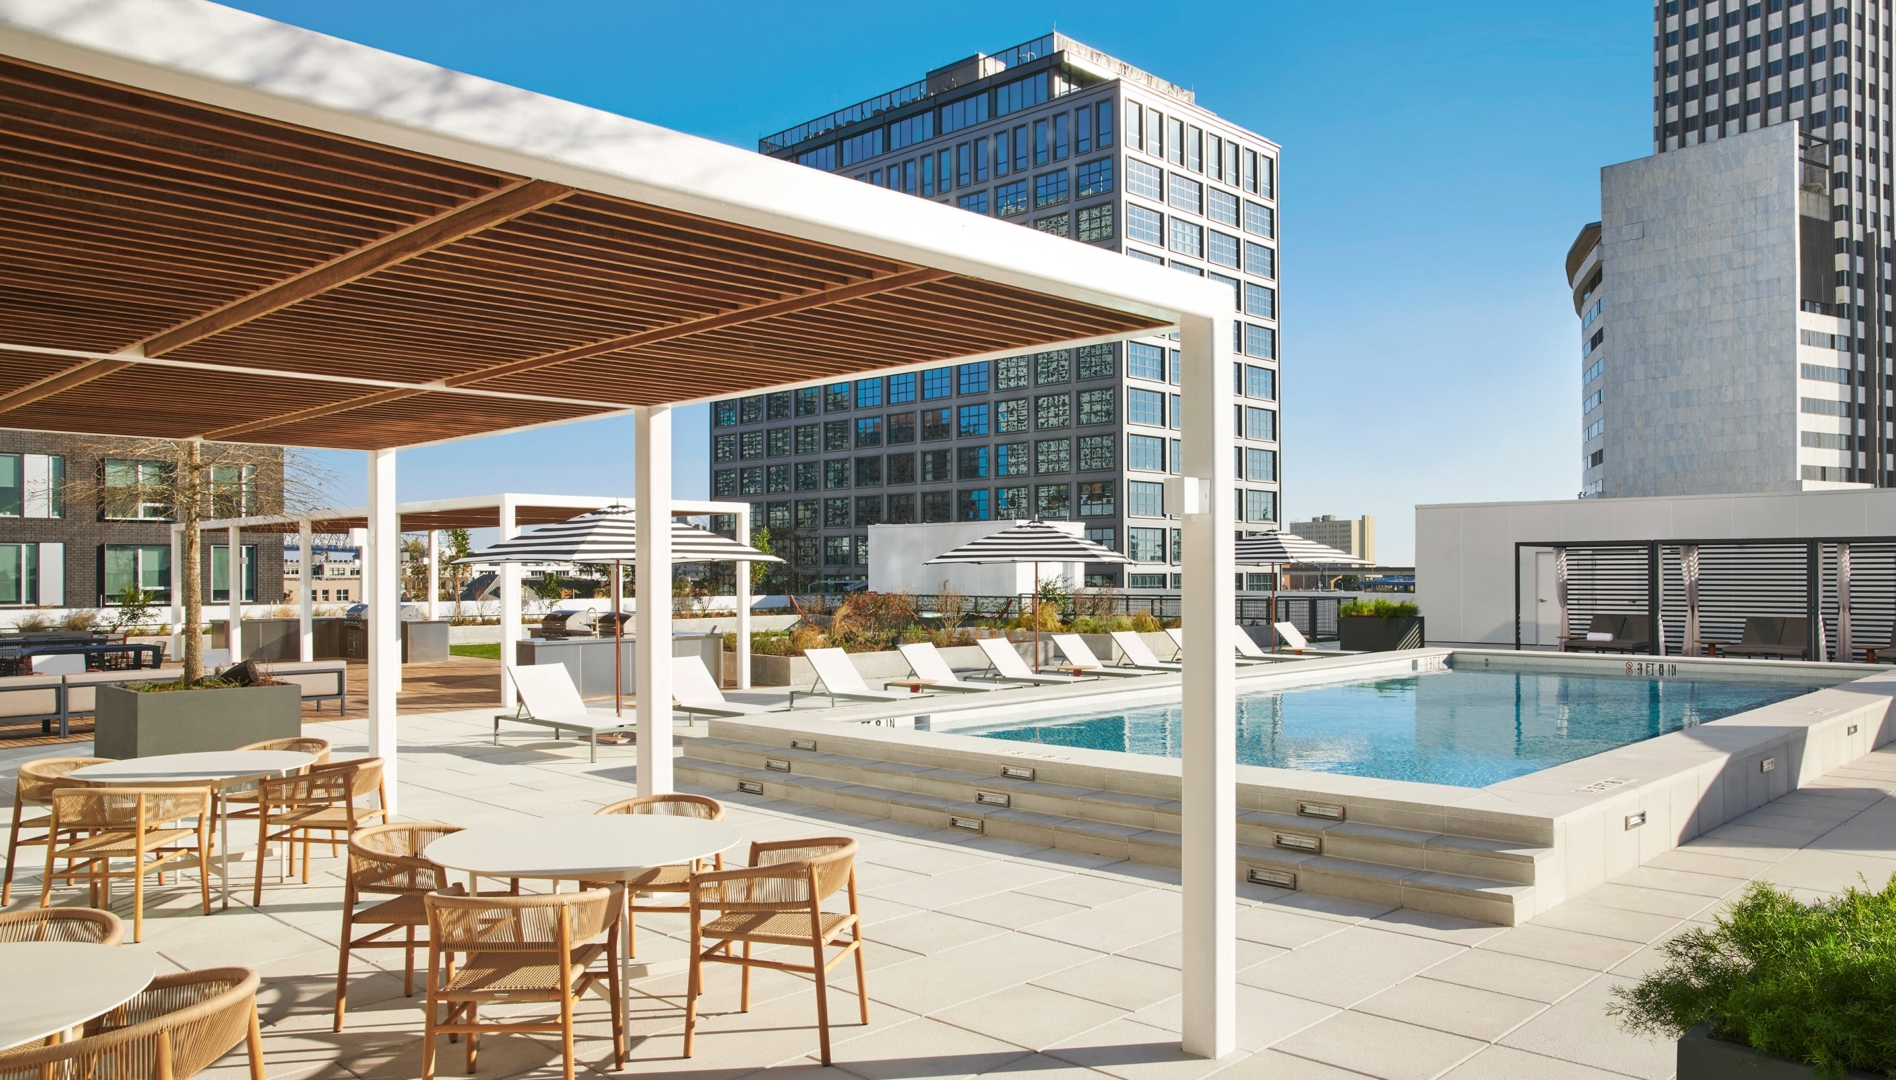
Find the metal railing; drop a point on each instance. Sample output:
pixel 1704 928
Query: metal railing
pixel 1315 616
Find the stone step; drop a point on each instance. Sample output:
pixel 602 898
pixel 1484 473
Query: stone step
pixel 1465 896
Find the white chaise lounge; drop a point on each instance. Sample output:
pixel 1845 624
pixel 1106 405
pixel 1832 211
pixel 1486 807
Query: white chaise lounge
pixel 1249 654
pixel 1007 666
pixel 929 664
pixel 1292 640
pixel 837 678
pixel 694 691
pixel 1139 654
pixel 549 699
pixel 1080 655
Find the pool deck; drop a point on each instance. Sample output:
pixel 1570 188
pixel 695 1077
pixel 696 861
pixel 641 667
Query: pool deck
pixel 990 957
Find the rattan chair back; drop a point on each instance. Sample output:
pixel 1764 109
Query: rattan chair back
pixel 301 744
pixel 785 875
pixel 39 779
pixel 117 808
pixel 88 925
pixel 669 805
pixel 322 785
pixel 388 859
pixel 175 1028
pixel 466 924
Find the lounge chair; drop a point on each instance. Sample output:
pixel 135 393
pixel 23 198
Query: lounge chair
pixel 1770 637
pixel 928 664
pixel 837 678
pixel 548 698
pixel 694 691
pixel 1007 666
pixel 1080 655
pixel 1138 654
pixel 1249 654
pixel 1875 653
pixel 1291 640
pixel 1626 634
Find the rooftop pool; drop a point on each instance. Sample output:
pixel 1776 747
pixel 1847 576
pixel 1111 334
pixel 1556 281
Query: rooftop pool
pixel 1468 728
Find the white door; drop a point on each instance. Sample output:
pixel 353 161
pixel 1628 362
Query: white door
pixel 1546 617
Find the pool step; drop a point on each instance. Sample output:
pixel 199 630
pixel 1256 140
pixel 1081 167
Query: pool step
pixel 1478 879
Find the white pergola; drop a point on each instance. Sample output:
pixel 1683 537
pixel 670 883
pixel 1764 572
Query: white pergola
pixel 253 232
pixel 509 512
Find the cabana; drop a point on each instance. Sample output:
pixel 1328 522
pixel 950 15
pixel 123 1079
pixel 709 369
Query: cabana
pixel 221 227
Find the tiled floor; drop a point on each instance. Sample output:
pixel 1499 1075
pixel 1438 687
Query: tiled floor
pixel 989 957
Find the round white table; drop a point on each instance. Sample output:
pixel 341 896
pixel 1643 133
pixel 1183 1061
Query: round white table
pixel 594 847
pixel 221 770
pixel 52 986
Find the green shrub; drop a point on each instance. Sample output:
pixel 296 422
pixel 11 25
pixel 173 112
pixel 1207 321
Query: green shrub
pixel 1381 609
pixel 1814 983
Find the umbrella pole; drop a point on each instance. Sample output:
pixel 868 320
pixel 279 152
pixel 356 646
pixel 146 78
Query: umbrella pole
pixel 618 648
pixel 1036 616
pixel 1273 619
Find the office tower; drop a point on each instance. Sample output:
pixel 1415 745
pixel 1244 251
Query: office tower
pixel 1351 536
pixel 1734 297
pixel 1057 137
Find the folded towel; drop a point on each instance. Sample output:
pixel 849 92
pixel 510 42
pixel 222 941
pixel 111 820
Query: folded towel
pixel 1595 635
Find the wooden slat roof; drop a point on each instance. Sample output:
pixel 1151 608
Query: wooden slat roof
pixel 174 268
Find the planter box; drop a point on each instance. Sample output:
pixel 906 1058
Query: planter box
pixel 131 724
pixel 1370 633
pixel 1702 1057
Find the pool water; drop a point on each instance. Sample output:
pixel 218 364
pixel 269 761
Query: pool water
pixel 1467 728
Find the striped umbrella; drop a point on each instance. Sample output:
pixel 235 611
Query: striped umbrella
pixel 1275 548
pixel 1034 542
pixel 610 535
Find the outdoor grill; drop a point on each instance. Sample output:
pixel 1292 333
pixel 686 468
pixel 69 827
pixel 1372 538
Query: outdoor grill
pixel 564 624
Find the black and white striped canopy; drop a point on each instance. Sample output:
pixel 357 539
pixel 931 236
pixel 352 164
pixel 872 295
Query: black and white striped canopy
pixel 1027 542
pixel 1279 547
pixel 610 534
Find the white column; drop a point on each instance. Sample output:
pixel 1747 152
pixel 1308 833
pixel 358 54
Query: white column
pixel 1846 649
pixel 380 570
pixel 234 582
pixel 305 604
pixel 744 603
pixel 434 574
pixel 1208 810
pixel 509 604
pixel 177 588
pixel 651 619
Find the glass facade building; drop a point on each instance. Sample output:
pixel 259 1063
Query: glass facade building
pixel 1057 137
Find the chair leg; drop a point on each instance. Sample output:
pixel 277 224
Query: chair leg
pixel 862 988
pixel 693 983
pixel 566 1033
pixel 204 862
pixel 253 1042
pixel 13 845
pixel 263 843
pixel 613 969
pixel 46 883
pixel 474 1038
pixel 822 1002
pixel 429 1022
pixel 408 967
pixel 744 981
pixel 138 895
pixel 342 962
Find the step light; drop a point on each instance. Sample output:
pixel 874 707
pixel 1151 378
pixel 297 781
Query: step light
pixel 803 744
pixel 1320 810
pixel 776 764
pixel 969 823
pixel 1276 879
pixel 992 798
pixel 1852 730
pixel 1293 842
pixel 1017 772
pixel 1767 764
pixel 1634 821
pixel 750 787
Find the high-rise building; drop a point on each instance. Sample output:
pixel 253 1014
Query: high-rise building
pixel 1352 536
pixel 1057 137
pixel 1734 298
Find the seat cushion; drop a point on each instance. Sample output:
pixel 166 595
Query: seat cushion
pixel 774 927
pixel 523 975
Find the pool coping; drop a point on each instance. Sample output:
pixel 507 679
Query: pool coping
pixel 1595 817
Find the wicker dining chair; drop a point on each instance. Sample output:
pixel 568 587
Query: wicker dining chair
pixel 92 826
pixel 34 789
pixel 778 901
pixel 514 949
pixel 325 799
pixel 92 926
pixel 301 744
pixel 173 1029
pixel 386 865
pixel 668 880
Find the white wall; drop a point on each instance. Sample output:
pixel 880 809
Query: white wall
pixel 898 555
pixel 1464 552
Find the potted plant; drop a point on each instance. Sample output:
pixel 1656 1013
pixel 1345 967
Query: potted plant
pixel 1778 989
pixel 1378 625
pixel 217 712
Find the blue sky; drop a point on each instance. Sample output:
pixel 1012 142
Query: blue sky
pixel 1438 159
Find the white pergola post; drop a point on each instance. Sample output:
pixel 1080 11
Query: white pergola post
pixel 509 604
pixel 177 587
pixel 651 619
pixel 234 589
pixel 380 567
pixel 1208 810
pixel 743 650
pixel 1846 649
pixel 305 603
pixel 434 574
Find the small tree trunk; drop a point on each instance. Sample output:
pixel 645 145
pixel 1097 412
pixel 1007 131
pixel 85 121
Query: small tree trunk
pixel 189 514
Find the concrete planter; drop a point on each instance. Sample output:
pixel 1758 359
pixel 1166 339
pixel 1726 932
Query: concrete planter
pixel 131 724
pixel 1369 633
pixel 1702 1057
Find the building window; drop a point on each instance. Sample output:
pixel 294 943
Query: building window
pixel 1260 424
pixel 1010 459
pixel 1145 361
pixel 1146 545
pixel 1260 382
pixel 1010 200
pixel 220 572
pixel 1259 219
pixel 1260 301
pixel 1096 452
pixel 901 389
pixel 1188 238
pixel 971 463
pixel 972 505
pixel 1188 195
pixel 1053 367
pixel 777 406
pixel 836 435
pixel 936 466
pixel 938 383
pixel 973 420
pixel 750 481
pixel 724 414
pixel 809 400
pixel 901 468
pixel 809 551
pixel 1145 407
pixel 1097 362
pixel 1260 506
pixel 868 510
pixel 1145 226
pixel 837 551
pixel 148 566
pixel 1145 498
pixel 1052 411
pixel 137 489
pixel 809 476
pixel 1260 464
pixel 1145 180
pixel 868 393
pixel 1096 223
pixel 976 203
pixel 1145 452
pixel 1096 498
pixel 20 573
pixel 1011 373
pixel 751 445
pixel 1260 341
pixel 973 378
pixel 1096 406
pixel 935 425
pixel 1050 189
pixel 835 474
pixel 724 448
pixel 724 483
pixel 1056 224
pixel 1052 456
pixel 936 505
pixel 869 472
pixel 1050 501
pixel 1096 177
pixel 1010 417
pixel 777 479
pixel 902 509
pixel 869 432
pixel 751 409
pixel 1011 503
pixel 1221 207
pixel 901 428
pixel 836 397
pixel 779 439
pixel 1260 260
pixel 809 439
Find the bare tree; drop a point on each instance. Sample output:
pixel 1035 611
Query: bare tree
pixel 190 482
